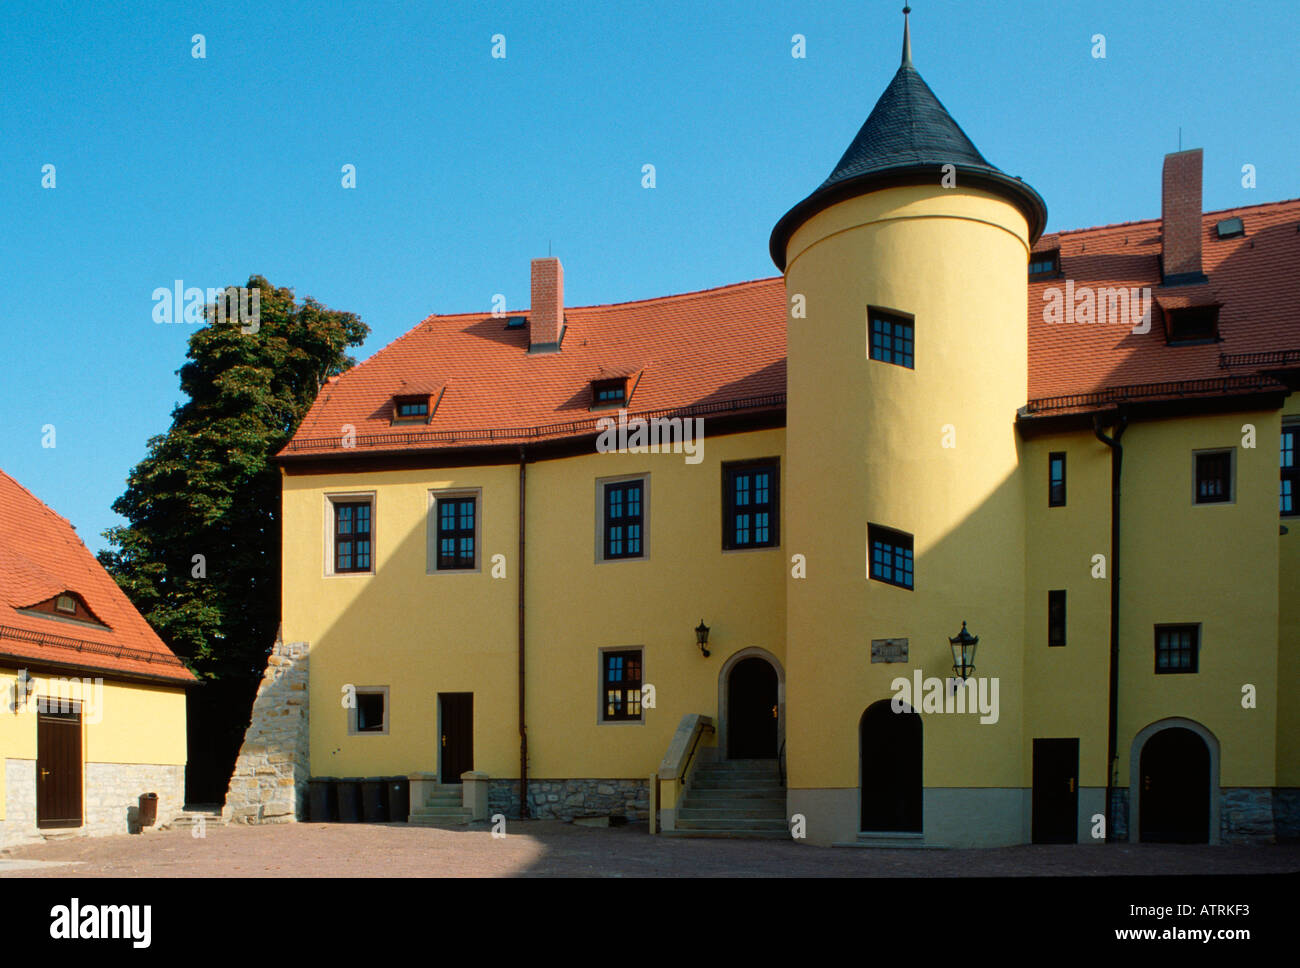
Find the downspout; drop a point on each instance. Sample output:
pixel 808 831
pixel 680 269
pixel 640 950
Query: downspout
pixel 523 728
pixel 1112 710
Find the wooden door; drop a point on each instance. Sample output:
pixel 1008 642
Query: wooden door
pixel 58 766
pixel 456 717
pixel 1174 773
pixel 1056 791
pixel 752 710
pixel 890 746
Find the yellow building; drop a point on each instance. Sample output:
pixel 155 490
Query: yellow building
pixel 721 558
pixel 93 715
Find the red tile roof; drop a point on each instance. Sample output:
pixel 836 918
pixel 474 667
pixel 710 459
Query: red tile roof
pixel 40 557
pixel 723 350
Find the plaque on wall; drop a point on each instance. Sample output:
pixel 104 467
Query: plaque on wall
pixel 889 650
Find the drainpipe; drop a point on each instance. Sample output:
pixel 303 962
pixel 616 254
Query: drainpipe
pixel 523 728
pixel 1112 709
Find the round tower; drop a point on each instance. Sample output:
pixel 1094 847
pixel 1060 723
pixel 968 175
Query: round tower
pixel 906 282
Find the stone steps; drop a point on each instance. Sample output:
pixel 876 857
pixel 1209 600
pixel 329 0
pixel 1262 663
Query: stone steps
pixel 734 799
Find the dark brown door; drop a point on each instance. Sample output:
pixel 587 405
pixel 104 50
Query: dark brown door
pixel 456 716
pixel 1175 775
pixel 58 766
pixel 1056 791
pixel 751 710
pixel 890 747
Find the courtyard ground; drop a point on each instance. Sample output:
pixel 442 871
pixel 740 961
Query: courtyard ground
pixel 554 849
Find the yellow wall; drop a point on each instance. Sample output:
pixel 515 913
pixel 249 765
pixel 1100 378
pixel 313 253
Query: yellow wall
pixel 865 440
pixel 422 634
pixel 138 723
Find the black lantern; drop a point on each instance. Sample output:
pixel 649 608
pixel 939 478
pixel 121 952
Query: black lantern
pixel 963 652
pixel 702 637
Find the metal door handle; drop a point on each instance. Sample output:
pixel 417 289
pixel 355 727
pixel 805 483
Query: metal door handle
pixel 44 774
pixel 774 715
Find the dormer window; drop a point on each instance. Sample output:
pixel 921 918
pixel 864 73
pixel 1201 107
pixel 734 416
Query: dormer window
pixel 413 408
pixel 609 393
pixel 1194 324
pixel 1045 265
pixel 66 604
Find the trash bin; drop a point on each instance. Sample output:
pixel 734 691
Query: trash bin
pixel 399 799
pixel 148 809
pixel 374 799
pixel 322 803
pixel 348 790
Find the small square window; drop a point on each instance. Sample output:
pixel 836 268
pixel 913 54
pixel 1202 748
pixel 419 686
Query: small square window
pixel 620 696
pixel 66 603
pixel 353 536
pixel 1288 504
pixel 1177 648
pixel 1056 479
pixel 749 503
pixel 1056 617
pixel 892 337
pixel 891 555
pixel 623 519
pixel 1214 477
pixel 370 713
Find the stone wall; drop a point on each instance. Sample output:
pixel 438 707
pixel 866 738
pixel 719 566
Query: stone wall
pixel 1119 813
pixel 269 783
pixel 567 799
pixel 1246 815
pixel 112 798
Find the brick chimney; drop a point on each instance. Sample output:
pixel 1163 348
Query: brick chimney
pixel 1180 213
pixel 546 316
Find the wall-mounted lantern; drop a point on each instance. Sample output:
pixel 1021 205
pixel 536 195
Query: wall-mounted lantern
pixel 702 637
pixel 963 652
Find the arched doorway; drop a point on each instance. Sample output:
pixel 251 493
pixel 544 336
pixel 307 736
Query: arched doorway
pixel 1174 791
pixel 753 705
pixel 889 746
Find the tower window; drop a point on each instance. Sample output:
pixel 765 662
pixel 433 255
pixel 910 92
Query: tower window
pixel 1056 617
pixel 1214 477
pixel 1177 648
pixel 1290 472
pixel 891 555
pixel 892 337
pixel 1056 479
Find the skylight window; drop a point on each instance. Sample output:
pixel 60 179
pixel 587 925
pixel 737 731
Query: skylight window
pixel 1230 228
pixel 516 322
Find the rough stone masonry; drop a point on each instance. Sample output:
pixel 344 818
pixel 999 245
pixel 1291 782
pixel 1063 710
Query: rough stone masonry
pixel 270 778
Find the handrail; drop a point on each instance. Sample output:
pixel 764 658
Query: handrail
pixel 686 764
pixel 780 762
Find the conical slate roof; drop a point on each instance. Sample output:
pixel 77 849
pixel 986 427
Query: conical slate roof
pixel 907 139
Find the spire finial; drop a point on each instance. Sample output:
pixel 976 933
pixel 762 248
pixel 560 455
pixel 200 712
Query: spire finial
pixel 907 39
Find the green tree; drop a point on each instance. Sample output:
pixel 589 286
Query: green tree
pixel 209 487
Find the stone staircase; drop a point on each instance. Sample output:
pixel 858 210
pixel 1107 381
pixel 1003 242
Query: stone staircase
pixel 208 813
pixel 444 805
pixel 734 798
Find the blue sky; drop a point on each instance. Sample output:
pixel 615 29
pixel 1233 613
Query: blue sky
pixel 170 167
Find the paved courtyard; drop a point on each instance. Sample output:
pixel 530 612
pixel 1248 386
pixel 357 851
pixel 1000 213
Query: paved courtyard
pixel 551 849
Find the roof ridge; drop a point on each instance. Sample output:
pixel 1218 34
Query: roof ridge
pixel 1156 220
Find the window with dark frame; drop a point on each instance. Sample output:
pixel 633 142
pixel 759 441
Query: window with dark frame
pixel 1056 617
pixel 624 520
pixel 1214 477
pixel 1177 648
pixel 892 338
pixel 621 688
pixel 457 518
pixel 370 712
pixel 352 536
pixel 413 409
pixel 1290 473
pixel 608 392
pixel 1193 324
pixel 750 508
pixel 891 556
pixel 1056 479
